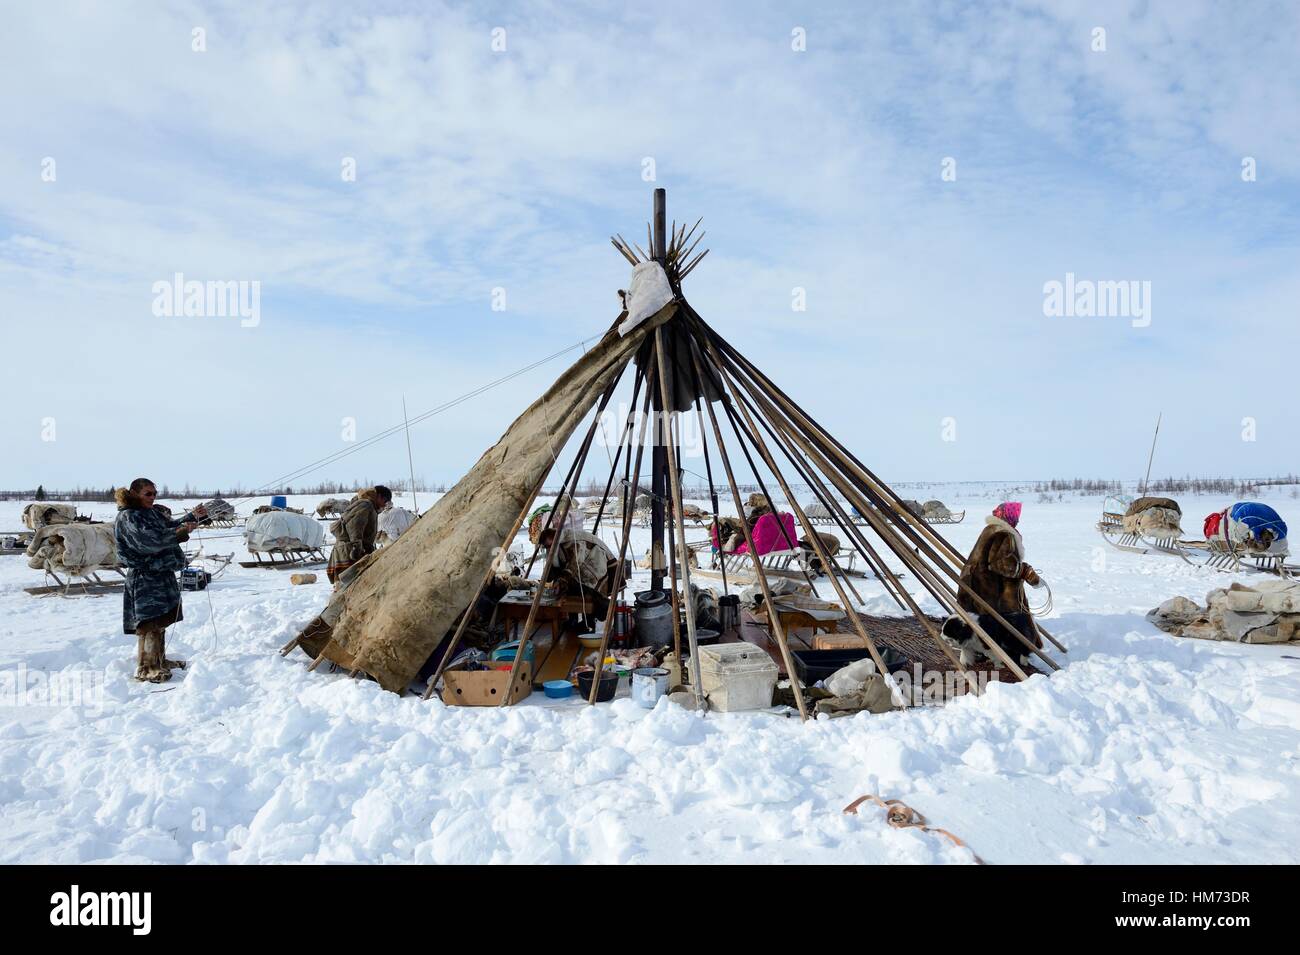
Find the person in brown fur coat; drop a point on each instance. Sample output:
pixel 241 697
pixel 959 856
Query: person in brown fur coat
pixel 996 570
pixel 354 532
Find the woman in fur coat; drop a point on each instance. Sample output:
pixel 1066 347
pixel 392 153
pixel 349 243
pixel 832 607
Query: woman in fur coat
pixel 148 548
pixel 997 571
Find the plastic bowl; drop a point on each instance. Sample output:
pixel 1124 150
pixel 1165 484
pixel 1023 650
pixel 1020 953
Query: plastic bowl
pixel 557 689
pixel 591 640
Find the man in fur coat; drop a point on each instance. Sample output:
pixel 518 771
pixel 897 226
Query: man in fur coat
pixel 585 563
pixel 354 532
pixel 148 548
pixel 997 571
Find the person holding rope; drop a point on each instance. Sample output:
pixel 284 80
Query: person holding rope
pixel 997 571
pixel 355 532
pixel 148 549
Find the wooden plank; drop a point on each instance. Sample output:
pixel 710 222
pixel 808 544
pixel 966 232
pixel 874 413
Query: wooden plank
pixel 559 659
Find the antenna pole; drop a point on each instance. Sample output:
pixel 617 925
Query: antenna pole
pixel 1152 455
pixel 658 455
pixel 409 459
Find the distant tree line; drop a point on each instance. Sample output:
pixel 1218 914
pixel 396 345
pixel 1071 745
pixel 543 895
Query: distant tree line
pixel 167 492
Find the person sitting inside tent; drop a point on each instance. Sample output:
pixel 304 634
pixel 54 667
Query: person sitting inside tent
pixel 996 570
pixel 354 532
pixel 585 563
pixel 148 549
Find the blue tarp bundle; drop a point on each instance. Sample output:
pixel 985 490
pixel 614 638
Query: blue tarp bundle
pixel 1258 517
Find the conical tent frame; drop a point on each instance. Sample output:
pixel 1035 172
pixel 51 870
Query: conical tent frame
pixel 681 351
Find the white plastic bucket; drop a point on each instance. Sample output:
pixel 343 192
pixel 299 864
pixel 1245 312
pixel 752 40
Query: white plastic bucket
pixel 648 684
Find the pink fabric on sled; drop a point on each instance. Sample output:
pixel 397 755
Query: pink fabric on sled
pixel 768 537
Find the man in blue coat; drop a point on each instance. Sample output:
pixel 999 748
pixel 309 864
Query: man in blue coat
pixel 148 548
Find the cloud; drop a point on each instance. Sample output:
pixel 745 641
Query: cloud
pixel 818 170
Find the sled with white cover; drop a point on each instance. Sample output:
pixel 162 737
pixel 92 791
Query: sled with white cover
pixel 281 539
pixel 1147 525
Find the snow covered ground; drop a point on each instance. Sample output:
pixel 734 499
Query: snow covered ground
pixel 1144 748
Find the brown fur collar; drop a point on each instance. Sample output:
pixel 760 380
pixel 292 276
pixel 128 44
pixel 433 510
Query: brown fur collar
pixel 128 501
pixel 1000 524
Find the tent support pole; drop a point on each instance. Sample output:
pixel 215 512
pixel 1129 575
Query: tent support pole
pixel 915 562
pixel 674 478
pixel 628 499
pixel 777 629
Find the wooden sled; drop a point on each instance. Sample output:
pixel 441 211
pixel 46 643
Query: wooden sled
pixel 952 518
pixel 89 584
pixel 1111 527
pixel 285 559
pixel 1225 557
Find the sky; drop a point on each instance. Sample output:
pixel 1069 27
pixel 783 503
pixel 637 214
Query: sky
pixel 915 175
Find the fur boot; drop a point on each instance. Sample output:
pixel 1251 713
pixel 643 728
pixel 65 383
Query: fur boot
pixel 150 665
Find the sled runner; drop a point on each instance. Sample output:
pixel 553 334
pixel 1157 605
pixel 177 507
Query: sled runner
pixel 89 584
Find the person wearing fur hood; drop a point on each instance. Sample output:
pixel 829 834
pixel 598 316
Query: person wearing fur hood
pixel 148 549
pixel 996 570
pixel 355 532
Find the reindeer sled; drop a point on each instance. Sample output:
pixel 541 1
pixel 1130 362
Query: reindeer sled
pixel 74 556
pixel 280 540
pixel 1147 525
pixel 1247 537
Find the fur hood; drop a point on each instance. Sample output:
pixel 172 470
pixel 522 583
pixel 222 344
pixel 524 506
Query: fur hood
pixel 1002 525
pixel 128 501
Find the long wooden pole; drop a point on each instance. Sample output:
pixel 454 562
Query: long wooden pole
pixel 674 479
pixel 616 585
pixel 410 460
pixel 927 575
pixel 770 461
pixel 777 629
pixel 1152 456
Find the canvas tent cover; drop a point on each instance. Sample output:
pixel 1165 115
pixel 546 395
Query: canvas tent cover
pixel 283 530
pixel 402 600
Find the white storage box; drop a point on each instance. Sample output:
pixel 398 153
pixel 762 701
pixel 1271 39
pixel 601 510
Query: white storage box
pixel 737 676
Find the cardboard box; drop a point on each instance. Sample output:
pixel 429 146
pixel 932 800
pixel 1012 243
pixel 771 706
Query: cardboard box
pixel 486 687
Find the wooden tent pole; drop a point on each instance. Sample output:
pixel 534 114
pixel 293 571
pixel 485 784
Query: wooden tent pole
pixel 943 566
pixel 777 629
pixel 770 461
pixel 674 479
pixel 622 440
pixel 616 585
pixel 910 524
pixel 842 520
pixel 563 510
pixel 708 471
pixel 914 561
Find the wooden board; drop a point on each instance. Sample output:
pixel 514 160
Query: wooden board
pixel 78 590
pixel 557 659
